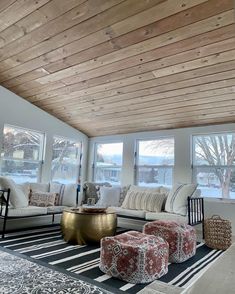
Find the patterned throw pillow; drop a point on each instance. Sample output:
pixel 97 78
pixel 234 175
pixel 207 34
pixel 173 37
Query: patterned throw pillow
pixel 42 199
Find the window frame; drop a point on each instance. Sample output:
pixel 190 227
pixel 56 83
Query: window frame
pixel 194 167
pixel 136 154
pixel 41 156
pixel 79 157
pixel 95 159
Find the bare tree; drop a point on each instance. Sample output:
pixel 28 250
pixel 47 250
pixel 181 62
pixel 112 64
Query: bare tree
pixel 218 151
pixel 164 144
pixel 62 147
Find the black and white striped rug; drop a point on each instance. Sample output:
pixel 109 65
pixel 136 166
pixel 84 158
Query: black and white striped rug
pixel 46 245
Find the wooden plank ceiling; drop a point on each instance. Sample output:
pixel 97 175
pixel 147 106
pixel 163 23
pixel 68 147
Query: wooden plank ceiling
pixel 120 66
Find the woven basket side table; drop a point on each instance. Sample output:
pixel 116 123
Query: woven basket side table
pixel 218 233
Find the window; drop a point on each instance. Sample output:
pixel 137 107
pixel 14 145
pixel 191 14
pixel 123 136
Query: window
pixel 22 154
pixel 108 163
pixel 66 159
pixel 214 164
pixel 155 162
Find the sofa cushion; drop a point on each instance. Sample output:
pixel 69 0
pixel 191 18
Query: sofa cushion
pixel 145 200
pixel 109 196
pixel 70 193
pixel 42 199
pixel 165 216
pixel 55 209
pixel 17 196
pixel 177 199
pixel 129 212
pixel 42 187
pixel 26 211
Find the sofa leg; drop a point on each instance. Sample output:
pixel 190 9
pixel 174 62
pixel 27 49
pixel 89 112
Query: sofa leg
pixel 4 227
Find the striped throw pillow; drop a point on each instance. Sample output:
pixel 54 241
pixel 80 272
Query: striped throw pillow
pixel 144 201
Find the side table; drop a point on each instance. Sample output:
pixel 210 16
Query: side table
pixel 81 227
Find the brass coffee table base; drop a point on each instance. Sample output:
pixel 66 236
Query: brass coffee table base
pixel 82 227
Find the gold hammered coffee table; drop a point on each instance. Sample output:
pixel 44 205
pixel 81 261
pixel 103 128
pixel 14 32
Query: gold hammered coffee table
pixel 81 227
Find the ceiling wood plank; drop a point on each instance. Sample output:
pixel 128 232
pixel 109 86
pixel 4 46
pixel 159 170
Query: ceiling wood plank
pixel 34 20
pixel 17 10
pixel 209 24
pixel 59 25
pixel 125 67
pixel 189 78
pixel 170 116
pixel 141 102
pixel 221 118
pixel 173 91
pixel 178 20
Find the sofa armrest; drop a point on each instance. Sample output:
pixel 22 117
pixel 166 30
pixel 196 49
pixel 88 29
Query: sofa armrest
pixel 195 210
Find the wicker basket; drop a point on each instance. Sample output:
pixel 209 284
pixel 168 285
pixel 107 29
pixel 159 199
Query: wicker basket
pixel 218 233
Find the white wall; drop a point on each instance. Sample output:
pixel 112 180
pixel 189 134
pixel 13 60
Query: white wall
pixel 182 170
pixel 18 112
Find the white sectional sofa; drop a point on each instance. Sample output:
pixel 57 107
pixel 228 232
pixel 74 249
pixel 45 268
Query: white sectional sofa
pixel 182 203
pixel 16 199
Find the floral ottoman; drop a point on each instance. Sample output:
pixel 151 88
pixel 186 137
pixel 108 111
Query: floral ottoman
pixel 134 257
pixel 180 237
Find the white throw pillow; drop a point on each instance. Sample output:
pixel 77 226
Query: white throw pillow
pixel 177 199
pixel 17 196
pixel 70 194
pixel 109 196
pixel 25 187
pixel 39 187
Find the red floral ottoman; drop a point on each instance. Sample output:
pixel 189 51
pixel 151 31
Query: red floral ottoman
pixel 180 237
pixel 134 257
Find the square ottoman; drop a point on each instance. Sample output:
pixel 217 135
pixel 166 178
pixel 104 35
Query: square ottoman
pixel 180 237
pixel 134 257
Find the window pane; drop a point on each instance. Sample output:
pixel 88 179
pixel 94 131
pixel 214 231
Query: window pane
pixel 20 171
pixel 156 152
pixel 108 162
pixel 216 182
pixel 213 159
pixel 22 144
pixel 107 174
pixel 65 160
pixel 153 176
pixel 109 154
pixel 214 150
pixel 21 155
